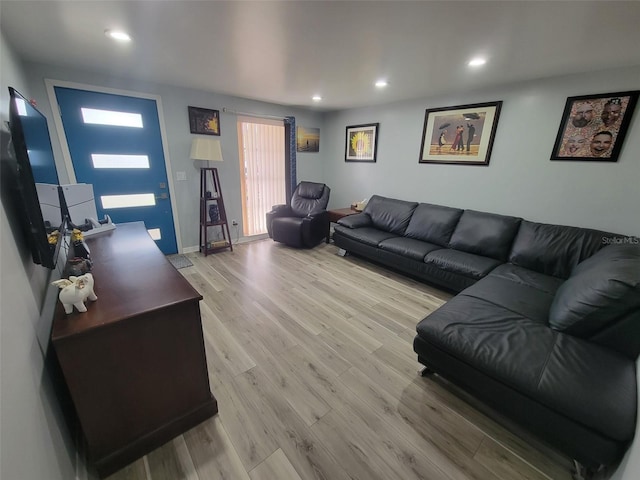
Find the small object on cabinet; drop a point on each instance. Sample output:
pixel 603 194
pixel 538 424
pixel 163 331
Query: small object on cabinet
pixel 80 248
pixel 78 266
pixel 208 194
pixel 52 238
pixel 75 291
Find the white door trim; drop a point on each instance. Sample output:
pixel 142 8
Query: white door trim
pixel 66 153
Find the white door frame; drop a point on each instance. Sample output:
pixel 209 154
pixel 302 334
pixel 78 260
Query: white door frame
pixel 66 153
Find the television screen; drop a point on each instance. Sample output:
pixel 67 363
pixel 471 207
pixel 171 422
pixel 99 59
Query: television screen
pixel 34 164
pixel 36 138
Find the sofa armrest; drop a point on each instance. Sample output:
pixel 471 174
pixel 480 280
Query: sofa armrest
pixel 358 220
pixel 281 208
pixel 315 227
pixel 277 211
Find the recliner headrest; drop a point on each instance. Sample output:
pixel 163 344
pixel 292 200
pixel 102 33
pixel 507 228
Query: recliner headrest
pixel 310 189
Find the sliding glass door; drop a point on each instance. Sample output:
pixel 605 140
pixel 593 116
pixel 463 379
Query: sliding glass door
pixel 263 175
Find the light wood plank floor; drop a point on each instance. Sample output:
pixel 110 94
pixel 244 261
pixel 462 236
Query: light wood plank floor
pixel 310 357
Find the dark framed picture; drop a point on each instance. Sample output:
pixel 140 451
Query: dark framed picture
pixel 593 127
pixel 307 139
pixel 204 121
pixel 461 135
pixel 362 143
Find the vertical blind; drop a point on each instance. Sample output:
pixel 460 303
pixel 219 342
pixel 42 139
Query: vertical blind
pixel 262 167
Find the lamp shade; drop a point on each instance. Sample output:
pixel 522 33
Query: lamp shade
pixel 207 149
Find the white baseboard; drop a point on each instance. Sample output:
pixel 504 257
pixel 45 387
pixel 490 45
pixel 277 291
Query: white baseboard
pixel 235 242
pixel 253 238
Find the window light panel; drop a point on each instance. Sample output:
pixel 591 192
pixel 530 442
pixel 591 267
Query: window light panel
pixel 128 201
pixel 111 117
pixel 105 160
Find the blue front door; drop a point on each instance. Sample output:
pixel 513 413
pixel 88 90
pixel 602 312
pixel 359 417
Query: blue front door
pixel 116 145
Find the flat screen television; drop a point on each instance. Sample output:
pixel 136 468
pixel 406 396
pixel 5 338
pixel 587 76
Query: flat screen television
pixel 33 163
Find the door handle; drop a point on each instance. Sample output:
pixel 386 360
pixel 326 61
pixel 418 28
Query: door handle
pixel 162 196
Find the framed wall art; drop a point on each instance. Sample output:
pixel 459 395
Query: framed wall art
pixel 307 139
pixel 593 127
pixel 204 121
pixel 461 135
pixel 362 143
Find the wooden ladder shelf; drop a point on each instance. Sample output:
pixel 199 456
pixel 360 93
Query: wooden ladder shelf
pixel 211 194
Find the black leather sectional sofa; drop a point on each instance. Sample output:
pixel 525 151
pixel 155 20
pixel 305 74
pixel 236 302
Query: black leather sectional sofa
pixel 546 327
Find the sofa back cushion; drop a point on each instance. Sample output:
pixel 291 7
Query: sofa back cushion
pixel 602 289
pixel 389 214
pixel 554 249
pixel 433 223
pixel 485 234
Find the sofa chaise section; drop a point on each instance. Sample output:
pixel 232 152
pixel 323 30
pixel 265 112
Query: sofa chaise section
pixel 558 355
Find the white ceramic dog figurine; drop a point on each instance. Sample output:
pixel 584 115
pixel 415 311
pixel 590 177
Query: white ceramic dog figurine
pixel 75 291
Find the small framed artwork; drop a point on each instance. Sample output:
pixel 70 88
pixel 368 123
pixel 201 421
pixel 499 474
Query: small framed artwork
pixel 307 139
pixel 362 143
pixel 593 127
pixel 204 121
pixel 461 135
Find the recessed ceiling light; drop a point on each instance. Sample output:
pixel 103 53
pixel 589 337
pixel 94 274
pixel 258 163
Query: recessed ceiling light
pixel 381 83
pixel 477 62
pixel 118 35
pixel 316 98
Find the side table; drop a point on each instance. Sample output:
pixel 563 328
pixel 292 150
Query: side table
pixel 335 215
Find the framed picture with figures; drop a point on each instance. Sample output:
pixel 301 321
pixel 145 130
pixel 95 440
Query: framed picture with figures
pixel 593 127
pixel 461 135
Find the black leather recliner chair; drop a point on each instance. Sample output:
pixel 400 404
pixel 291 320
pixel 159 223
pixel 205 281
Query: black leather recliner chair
pixel 305 222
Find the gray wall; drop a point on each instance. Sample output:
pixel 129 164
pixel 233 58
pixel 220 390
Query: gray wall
pixel 175 101
pixel 34 437
pixel 520 179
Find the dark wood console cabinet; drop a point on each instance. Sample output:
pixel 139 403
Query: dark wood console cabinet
pixel 134 363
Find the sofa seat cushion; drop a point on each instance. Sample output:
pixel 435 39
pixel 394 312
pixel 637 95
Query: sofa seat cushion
pixel 433 223
pixel 554 249
pixel 389 214
pixel 495 340
pixel 463 263
pixel 592 385
pixel 485 234
pixel 366 235
pixel 514 273
pixel 519 298
pixel 602 289
pixel 408 247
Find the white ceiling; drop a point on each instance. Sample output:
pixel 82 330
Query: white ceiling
pixel 285 52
